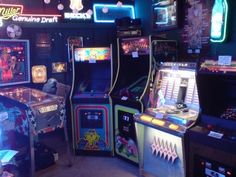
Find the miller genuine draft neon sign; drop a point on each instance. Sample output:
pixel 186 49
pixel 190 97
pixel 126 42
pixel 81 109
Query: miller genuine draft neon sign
pixel 15 13
pixel 8 11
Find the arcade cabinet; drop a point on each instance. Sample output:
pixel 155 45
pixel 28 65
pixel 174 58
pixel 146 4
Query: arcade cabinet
pixel 15 144
pixel 161 130
pixel 134 69
pixel 92 122
pixel 212 141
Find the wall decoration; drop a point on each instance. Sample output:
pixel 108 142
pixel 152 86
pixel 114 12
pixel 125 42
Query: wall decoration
pixel 80 11
pixel 14 62
pixel 219 21
pixel 59 67
pixel 14 31
pixel 107 13
pixel 15 12
pixel 196 31
pixel 76 5
pixel 73 42
pixel 164 149
pixel 165 14
pixel 39 74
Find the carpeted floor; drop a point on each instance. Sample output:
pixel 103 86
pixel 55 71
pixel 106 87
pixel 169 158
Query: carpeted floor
pixel 84 166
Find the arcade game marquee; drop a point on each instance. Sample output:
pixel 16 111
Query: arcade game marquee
pixel 212 141
pixel 161 130
pixel 28 111
pixel 92 122
pixel 134 71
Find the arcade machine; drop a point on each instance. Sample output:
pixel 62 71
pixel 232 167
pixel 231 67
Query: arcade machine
pixel 134 69
pixel 161 131
pixel 92 122
pixel 30 112
pixel 212 141
pixel 15 145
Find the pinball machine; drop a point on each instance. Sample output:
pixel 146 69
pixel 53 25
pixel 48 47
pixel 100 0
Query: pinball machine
pixel 25 113
pixel 212 142
pixel 161 130
pixel 92 122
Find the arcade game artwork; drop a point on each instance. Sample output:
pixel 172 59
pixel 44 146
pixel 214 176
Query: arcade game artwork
pixel 92 54
pixel 135 45
pixel 14 62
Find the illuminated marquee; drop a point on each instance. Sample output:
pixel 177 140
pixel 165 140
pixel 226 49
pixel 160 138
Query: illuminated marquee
pixel 84 16
pixel 49 108
pixel 15 13
pixel 31 18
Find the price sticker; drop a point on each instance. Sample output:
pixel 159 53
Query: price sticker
pixel 135 54
pixel 124 98
pixel 224 60
pixel 215 135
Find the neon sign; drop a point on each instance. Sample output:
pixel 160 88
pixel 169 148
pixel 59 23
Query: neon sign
pixel 219 21
pixel 15 13
pixel 31 18
pixel 76 6
pixel 163 13
pixel 1 23
pixel 8 10
pixel 78 16
pixel 112 11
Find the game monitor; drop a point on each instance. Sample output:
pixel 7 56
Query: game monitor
pixel 135 46
pixel 92 54
pixel 164 14
pixel 14 62
pixel 218 97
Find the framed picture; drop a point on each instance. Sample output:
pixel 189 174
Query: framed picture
pixel 59 67
pixel 73 42
pixel 164 14
pixel 14 62
pixel 39 74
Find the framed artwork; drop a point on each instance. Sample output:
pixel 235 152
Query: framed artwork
pixel 14 62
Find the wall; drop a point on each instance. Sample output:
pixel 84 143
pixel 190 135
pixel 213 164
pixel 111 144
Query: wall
pixel 143 9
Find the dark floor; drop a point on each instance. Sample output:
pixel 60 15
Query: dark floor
pixel 85 166
pixel 91 167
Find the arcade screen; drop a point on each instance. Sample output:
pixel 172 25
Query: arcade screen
pixel 164 50
pixel 164 14
pixel 175 86
pixel 135 46
pixel 92 54
pixel 14 62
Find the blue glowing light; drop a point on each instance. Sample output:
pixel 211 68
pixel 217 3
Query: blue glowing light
pixel 163 14
pixel 219 21
pixel 113 12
